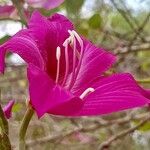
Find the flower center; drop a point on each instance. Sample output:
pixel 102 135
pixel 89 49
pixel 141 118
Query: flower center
pixel 70 41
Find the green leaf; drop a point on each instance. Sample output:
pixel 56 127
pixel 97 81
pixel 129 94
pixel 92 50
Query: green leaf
pixel 4 38
pixel 145 127
pixel 95 21
pixel 119 23
pixel 17 107
pixel 73 6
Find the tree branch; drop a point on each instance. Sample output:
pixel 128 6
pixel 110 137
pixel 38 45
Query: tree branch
pixel 107 143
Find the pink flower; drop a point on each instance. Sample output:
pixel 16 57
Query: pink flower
pixel 48 4
pixel 65 71
pixel 8 109
pixel 6 11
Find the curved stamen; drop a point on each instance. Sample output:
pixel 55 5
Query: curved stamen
pixel 87 92
pixel 74 59
pixel 80 59
pixel 65 44
pixel 58 54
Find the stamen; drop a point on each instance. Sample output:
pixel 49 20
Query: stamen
pixel 72 38
pixel 86 92
pixel 78 37
pixel 74 63
pixel 65 44
pixel 58 54
pixel 80 59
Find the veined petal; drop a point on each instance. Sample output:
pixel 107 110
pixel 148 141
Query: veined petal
pixel 48 4
pixel 8 109
pixel 95 61
pixel 49 33
pixel 23 45
pixel 112 94
pixel 47 97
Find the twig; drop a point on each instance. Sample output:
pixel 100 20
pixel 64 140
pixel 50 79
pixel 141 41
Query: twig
pixel 126 18
pixel 144 81
pixel 97 125
pixel 139 30
pixel 107 143
pixel 10 19
pixel 134 48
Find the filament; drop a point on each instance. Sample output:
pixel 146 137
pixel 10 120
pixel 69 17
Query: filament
pixel 58 54
pixel 65 44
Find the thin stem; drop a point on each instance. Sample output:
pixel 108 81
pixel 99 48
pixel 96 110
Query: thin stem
pixel 23 129
pixel 144 80
pixel 19 6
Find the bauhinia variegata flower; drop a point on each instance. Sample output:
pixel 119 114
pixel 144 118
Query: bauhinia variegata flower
pixel 66 71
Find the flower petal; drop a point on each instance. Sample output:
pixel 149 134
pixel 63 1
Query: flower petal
pixel 47 97
pixel 114 93
pixel 95 62
pixel 49 33
pixel 8 109
pixel 48 4
pixel 6 11
pixel 24 46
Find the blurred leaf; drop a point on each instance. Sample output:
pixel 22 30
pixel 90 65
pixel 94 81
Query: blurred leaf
pixel 4 38
pixel 95 21
pixel 17 107
pixel 145 127
pixel 83 28
pixel 73 6
pixel 50 12
pixel 83 31
pixel 119 23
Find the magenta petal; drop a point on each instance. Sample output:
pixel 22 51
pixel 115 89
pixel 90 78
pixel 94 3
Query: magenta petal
pixel 49 33
pixel 47 97
pixel 114 93
pixel 8 109
pixel 147 92
pixel 95 62
pixel 48 4
pixel 6 11
pixel 24 46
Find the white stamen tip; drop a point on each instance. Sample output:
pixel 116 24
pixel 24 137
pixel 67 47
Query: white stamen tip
pixel 86 92
pixel 58 53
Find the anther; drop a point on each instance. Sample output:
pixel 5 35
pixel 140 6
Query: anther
pixel 87 92
pixel 78 37
pixel 58 53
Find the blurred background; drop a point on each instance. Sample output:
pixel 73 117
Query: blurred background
pixel 120 26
